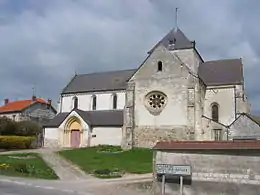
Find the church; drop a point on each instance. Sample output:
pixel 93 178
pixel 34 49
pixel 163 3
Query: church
pixel 173 95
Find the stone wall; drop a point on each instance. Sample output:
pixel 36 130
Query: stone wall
pixel 147 137
pixel 211 188
pixel 182 112
pixel 244 127
pixel 208 128
pixel 236 167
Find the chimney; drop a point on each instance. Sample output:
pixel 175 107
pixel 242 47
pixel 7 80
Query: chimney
pixel 49 101
pixel 33 98
pixel 6 101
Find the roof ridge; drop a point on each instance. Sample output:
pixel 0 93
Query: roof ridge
pixel 226 59
pixel 117 110
pixel 110 71
pixel 26 100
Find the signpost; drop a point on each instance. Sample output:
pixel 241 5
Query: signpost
pixel 176 170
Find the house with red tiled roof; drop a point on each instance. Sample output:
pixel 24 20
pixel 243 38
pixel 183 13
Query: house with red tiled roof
pixel 36 109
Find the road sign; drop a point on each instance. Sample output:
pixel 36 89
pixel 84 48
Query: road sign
pixel 183 170
pixel 177 170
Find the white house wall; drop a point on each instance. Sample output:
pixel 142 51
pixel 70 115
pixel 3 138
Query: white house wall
pixel 13 116
pixel 104 101
pixel 225 97
pixel 51 137
pixel 106 136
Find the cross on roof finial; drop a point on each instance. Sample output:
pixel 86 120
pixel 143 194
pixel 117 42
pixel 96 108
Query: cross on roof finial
pixel 176 18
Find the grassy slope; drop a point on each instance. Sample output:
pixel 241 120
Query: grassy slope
pixel 36 166
pixel 89 159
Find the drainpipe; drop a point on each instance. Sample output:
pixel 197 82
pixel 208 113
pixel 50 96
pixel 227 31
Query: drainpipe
pixel 235 102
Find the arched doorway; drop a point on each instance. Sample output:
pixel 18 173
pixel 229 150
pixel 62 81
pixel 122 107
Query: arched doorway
pixel 74 127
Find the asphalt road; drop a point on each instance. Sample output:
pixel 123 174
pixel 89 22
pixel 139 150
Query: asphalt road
pixel 16 189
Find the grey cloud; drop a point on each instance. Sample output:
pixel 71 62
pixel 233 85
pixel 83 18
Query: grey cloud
pixel 44 43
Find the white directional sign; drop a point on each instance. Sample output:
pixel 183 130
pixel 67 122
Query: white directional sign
pixel 173 169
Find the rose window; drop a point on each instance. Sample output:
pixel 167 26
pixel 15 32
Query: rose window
pixel 155 101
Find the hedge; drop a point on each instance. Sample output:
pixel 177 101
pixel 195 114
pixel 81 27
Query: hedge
pixel 16 142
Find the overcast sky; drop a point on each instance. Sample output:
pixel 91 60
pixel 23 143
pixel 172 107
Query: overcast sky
pixel 43 42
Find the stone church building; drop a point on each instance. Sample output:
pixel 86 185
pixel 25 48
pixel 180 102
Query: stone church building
pixel 173 95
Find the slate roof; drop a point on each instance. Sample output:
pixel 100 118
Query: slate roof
pixel 254 118
pixel 177 37
pixel 103 118
pixel 221 72
pixel 217 72
pixel 57 120
pixel 102 81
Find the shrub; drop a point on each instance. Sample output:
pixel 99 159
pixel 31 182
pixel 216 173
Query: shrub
pixel 27 128
pixel 24 168
pixel 109 149
pixel 106 173
pixel 21 167
pixel 7 126
pixel 16 142
pixel 22 128
pixel 102 172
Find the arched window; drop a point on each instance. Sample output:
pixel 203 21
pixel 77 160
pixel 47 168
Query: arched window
pixel 114 98
pixel 75 102
pixel 215 112
pixel 159 66
pixel 94 102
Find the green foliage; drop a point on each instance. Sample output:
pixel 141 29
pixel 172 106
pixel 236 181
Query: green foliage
pixel 7 126
pixel 111 164
pixel 28 128
pixel 106 173
pixel 25 165
pixel 16 142
pixel 21 167
pixel 109 149
pixel 22 128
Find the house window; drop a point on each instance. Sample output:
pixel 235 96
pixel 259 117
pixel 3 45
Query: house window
pixel 215 112
pixel 217 134
pixel 114 96
pixel 94 102
pixel 159 66
pixel 14 117
pixel 75 102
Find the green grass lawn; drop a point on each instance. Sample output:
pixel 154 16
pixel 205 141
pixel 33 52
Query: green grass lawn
pixel 93 159
pixel 25 165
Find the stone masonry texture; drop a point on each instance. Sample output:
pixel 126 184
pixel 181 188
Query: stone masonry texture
pixel 219 167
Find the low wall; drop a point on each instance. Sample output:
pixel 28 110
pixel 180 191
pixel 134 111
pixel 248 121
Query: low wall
pixel 229 169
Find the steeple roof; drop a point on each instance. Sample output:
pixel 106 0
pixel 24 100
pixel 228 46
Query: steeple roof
pixel 175 40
